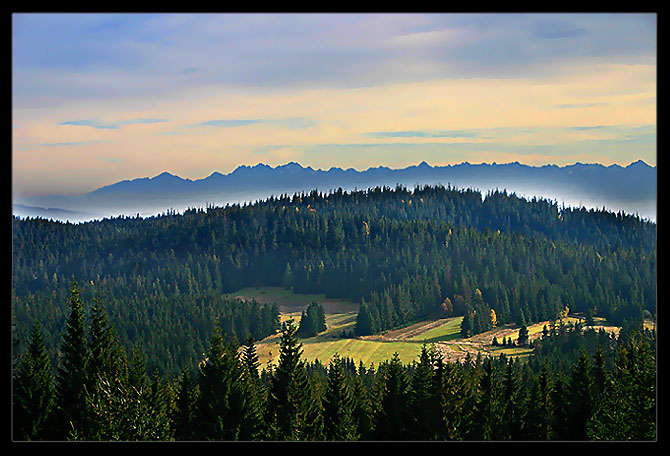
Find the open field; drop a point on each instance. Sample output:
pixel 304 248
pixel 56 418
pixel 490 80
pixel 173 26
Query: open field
pixel 443 333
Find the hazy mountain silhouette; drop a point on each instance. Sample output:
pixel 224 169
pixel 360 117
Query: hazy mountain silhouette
pixel 631 188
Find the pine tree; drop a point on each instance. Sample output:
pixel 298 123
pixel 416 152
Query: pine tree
pixel 290 395
pixel 361 413
pixel 106 362
pixel 365 323
pixel 391 420
pixel 523 336
pixel 467 324
pixel 422 397
pixel 253 423
pixel 627 410
pixel 512 401
pixel 137 371
pixel 220 403
pixel 159 409
pixel 539 416
pixel 33 390
pixel 183 418
pixel 71 374
pixel 489 409
pixel 580 398
pixel 560 398
pixel 107 357
pixel 339 405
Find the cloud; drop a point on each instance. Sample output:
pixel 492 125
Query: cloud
pixel 69 143
pixel 422 134
pixel 588 127
pixel 227 123
pixel 111 126
pixel 90 123
pixel 63 57
pixel 288 122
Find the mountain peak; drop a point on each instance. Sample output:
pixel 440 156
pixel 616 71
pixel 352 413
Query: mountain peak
pixel 165 175
pixel 290 165
pixel 639 164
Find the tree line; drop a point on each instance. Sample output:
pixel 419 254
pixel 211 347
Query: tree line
pixel 581 385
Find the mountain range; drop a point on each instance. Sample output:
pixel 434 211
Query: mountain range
pixel 631 189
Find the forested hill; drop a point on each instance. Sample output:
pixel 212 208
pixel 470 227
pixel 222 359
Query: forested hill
pixel 404 254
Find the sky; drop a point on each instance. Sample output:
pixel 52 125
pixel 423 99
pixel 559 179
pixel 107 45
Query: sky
pixel 99 98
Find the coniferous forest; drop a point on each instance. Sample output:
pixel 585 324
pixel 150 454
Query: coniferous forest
pixel 123 329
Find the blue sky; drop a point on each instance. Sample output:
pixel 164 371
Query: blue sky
pixel 98 98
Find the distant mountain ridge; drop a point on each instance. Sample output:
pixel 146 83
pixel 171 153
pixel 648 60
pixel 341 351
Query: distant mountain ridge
pixel 593 185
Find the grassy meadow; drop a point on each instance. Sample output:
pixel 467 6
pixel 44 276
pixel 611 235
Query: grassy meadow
pixel 407 342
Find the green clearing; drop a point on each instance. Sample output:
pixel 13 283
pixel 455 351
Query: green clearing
pixel 341 315
pixel 324 348
pixel 446 332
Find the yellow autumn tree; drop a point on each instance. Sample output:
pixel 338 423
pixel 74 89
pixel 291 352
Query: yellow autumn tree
pixel 494 320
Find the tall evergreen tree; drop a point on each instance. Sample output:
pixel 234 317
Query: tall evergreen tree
pixel 33 390
pixel 290 393
pixel 361 414
pixel 391 421
pixel 512 394
pixel 183 417
pixel 489 409
pixel 106 356
pixel 339 405
pixel 71 375
pixel 220 402
pixel 365 323
pixel 627 410
pixel 253 423
pixel 580 398
pixel 523 335
pixel 539 416
pixel 106 362
pixel 422 397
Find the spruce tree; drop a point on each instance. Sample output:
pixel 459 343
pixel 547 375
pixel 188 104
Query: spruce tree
pixel 71 375
pixel 106 363
pixel 453 390
pixel 467 324
pixel 512 401
pixel 580 398
pixel 220 402
pixel 253 423
pixel 627 409
pixel 489 409
pixel 107 358
pixel 392 418
pixel 365 324
pixel 539 409
pixel 33 390
pixel 361 413
pixel 290 395
pixel 183 417
pixel 523 336
pixel 422 397
pixel 339 405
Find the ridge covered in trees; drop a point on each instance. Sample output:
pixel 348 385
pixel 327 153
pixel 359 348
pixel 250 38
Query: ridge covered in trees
pixel 403 254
